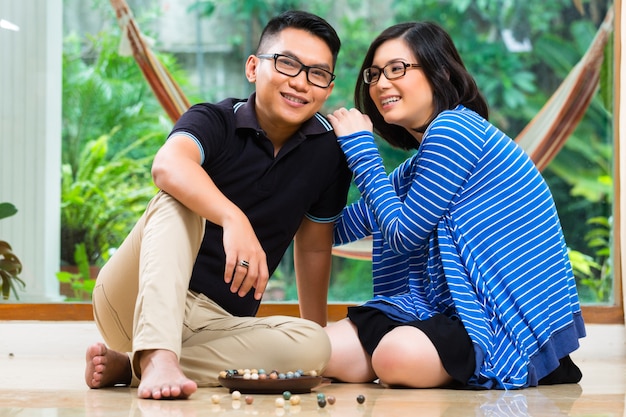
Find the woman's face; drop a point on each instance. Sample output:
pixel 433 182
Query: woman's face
pixel 406 101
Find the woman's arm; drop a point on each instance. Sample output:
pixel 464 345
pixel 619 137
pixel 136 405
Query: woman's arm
pixel 354 223
pixel 444 162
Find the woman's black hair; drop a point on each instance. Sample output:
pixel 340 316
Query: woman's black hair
pixel 441 64
pixel 306 21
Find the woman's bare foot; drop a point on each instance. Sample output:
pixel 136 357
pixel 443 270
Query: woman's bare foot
pixel 106 367
pixel 161 376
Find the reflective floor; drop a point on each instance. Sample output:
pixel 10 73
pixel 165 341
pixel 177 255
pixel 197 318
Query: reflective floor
pixel 42 364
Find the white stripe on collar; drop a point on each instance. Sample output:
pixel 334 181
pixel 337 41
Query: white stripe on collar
pixel 324 122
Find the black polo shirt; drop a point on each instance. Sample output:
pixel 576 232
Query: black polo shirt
pixel 309 177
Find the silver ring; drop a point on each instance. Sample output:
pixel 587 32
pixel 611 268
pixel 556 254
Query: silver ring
pixel 245 264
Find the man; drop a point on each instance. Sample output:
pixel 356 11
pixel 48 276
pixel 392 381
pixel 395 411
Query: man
pixel 180 293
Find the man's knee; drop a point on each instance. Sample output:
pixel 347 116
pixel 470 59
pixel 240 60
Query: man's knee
pixel 311 341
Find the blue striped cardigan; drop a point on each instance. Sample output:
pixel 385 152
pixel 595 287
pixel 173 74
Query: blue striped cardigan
pixel 467 227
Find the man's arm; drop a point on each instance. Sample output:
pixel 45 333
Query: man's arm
pixel 312 261
pixel 177 171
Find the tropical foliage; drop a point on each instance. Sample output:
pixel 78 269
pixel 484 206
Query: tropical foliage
pixel 80 283
pixel 103 198
pixel 112 127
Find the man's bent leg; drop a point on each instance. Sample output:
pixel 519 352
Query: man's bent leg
pixel 146 279
pixel 115 292
pixel 170 242
pixel 215 341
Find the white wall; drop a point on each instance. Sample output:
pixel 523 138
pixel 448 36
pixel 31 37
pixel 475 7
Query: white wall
pixel 30 138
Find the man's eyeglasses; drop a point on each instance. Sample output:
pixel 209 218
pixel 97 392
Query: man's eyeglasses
pixel 291 67
pixel 392 70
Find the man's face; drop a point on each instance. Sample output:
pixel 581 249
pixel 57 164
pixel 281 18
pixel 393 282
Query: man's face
pixel 284 102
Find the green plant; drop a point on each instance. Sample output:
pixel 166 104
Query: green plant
pixel 10 265
pixel 594 272
pixel 101 90
pixel 80 282
pixel 102 199
pixel 112 127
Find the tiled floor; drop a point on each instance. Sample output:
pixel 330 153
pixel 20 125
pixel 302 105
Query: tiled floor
pixel 42 364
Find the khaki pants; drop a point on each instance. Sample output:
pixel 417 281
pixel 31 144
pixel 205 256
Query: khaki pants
pixel 141 301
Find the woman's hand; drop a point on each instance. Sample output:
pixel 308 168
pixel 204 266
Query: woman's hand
pixel 346 122
pixel 354 136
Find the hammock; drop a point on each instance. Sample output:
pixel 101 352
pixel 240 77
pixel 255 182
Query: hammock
pixel 548 131
pixel 542 138
pixel 133 43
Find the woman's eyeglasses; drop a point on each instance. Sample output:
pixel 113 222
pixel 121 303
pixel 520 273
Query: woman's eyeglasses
pixel 392 70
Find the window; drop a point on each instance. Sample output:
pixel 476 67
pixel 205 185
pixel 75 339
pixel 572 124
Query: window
pixel 518 63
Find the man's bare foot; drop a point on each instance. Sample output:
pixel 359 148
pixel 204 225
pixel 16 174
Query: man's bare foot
pixel 161 376
pixel 106 367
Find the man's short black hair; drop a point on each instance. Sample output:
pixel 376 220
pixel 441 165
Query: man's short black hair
pixel 299 19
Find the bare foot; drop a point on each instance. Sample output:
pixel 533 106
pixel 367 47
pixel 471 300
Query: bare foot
pixel 106 367
pixel 162 378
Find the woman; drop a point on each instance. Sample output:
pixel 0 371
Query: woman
pixel 472 282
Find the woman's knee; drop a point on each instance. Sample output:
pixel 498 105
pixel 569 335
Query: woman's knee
pixel 408 360
pixel 390 359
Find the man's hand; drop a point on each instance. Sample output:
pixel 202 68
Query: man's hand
pixel 178 164
pixel 246 262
